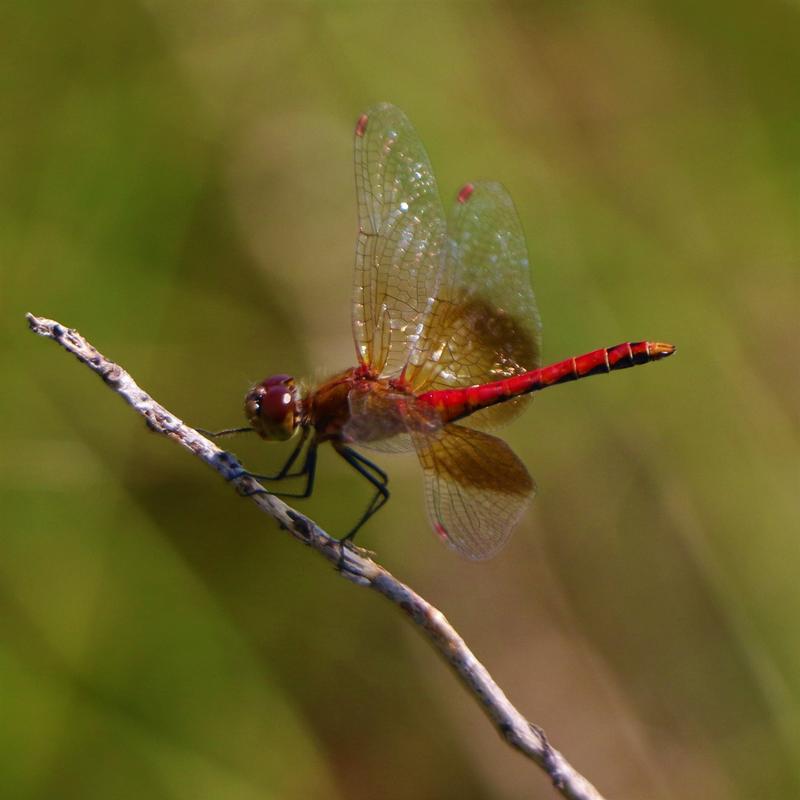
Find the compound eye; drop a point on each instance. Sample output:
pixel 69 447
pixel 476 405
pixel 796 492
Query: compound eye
pixel 271 407
pixel 276 402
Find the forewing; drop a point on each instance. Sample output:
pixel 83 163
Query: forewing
pixel 400 248
pixel 475 488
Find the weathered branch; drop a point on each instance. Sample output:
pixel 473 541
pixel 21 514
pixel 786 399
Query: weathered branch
pixel 351 562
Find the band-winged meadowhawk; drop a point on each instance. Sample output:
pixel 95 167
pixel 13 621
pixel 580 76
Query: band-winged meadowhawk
pixel 447 340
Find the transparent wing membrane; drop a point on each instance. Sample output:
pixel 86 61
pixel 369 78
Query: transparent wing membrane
pixel 382 419
pixel 485 326
pixel 451 304
pixel 439 305
pixel 400 241
pixel 476 489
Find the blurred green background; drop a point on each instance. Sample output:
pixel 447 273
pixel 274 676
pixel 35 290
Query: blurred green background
pixel 177 184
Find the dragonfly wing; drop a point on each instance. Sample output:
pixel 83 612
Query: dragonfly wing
pixel 381 419
pixel 476 489
pixel 486 325
pixel 400 249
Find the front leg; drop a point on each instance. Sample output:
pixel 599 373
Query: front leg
pixel 308 470
pixel 284 471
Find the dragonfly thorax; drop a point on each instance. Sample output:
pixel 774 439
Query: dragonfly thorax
pixel 273 407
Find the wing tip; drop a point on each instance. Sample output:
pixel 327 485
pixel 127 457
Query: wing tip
pixel 474 549
pixel 441 531
pixel 465 192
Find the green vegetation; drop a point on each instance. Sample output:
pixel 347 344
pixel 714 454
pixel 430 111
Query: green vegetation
pixel 176 182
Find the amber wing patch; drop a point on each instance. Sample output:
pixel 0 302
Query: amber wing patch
pixel 476 488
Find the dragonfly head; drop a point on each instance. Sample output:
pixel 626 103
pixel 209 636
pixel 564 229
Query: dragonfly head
pixel 273 408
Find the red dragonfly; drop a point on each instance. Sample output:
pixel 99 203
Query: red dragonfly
pixel 447 340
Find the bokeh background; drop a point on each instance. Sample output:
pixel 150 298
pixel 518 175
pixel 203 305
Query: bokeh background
pixel 176 182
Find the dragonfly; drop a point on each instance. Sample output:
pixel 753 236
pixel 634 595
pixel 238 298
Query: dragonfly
pixel 448 347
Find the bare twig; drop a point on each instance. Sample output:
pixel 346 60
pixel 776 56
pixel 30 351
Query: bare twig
pixel 351 562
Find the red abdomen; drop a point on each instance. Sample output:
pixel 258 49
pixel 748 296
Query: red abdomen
pixel 454 404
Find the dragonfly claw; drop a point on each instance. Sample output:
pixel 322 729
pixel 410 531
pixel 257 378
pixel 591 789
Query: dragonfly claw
pixel 231 468
pixel 351 562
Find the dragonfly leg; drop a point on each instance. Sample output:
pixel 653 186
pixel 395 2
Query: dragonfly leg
pixel 375 475
pixel 284 471
pixel 308 470
pixel 225 432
